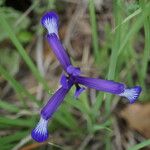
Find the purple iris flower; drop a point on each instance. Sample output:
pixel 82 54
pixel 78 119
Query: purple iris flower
pixel 72 77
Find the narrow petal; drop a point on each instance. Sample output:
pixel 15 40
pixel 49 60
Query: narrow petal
pixel 101 85
pixel 75 71
pixel 40 132
pixel 78 91
pixel 132 94
pixel 54 102
pixel 50 22
pixel 64 81
pixel 59 50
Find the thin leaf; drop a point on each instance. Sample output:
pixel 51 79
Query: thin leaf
pixel 17 122
pixel 13 137
pixel 140 145
pixel 9 107
pixel 94 29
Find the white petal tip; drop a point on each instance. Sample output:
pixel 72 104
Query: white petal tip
pixel 50 22
pixel 132 94
pixel 40 132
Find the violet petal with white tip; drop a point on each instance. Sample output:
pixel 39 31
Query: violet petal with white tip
pixel 50 22
pixel 40 132
pixel 131 93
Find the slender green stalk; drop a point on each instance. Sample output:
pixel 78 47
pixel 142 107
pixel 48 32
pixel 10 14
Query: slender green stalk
pixel 140 145
pixel 22 51
pixel 12 138
pixel 114 52
pixel 14 84
pixel 128 67
pixel 118 47
pixel 94 30
pixel 17 122
pixel 146 55
pixel 97 105
pixel 127 19
pixel 108 142
pixel 9 107
pixel 136 26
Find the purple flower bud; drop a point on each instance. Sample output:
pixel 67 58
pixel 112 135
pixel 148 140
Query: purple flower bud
pixel 40 132
pixel 50 22
pixel 59 50
pixel 101 85
pixel 131 94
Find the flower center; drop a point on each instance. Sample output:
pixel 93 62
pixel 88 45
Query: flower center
pixel 75 71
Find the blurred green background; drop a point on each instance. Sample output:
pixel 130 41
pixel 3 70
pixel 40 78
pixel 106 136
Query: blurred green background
pixel 107 39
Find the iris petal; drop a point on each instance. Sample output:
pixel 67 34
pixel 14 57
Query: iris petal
pixel 64 82
pixel 59 50
pixel 101 85
pixel 54 102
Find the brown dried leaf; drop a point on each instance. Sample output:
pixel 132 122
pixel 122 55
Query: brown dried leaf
pixel 138 118
pixel 33 146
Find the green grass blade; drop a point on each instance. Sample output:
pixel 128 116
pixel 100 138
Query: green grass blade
pixel 114 52
pixel 13 83
pixel 140 145
pixel 12 138
pixel 7 147
pixel 60 118
pixel 78 105
pixel 136 26
pixel 146 55
pixel 138 11
pixel 22 51
pixel 20 90
pixel 94 30
pixel 97 127
pixel 68 116
pixel 17 122
pixel 81 103
pixel 9 107
pixel 97 105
